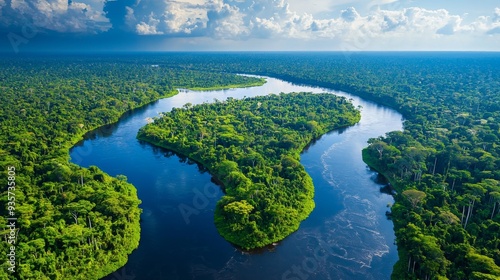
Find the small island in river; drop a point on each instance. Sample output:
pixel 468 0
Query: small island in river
pixel 252 146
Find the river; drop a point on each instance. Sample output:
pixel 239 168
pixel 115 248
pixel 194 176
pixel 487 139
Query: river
pixel 347 236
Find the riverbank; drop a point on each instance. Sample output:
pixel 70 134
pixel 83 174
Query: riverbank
pixel 254 84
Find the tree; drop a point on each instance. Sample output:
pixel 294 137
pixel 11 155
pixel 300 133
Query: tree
pixel 496 200
pixel 447 217
pixel 415 197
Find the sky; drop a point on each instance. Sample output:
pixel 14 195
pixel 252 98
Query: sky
pixel 256 25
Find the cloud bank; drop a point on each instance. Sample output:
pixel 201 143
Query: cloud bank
pixel 239 20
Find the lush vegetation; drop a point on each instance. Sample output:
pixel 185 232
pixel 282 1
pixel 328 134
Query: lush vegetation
pixel 444 166
pixel 252 146
pixel 445 163
pixel 73 222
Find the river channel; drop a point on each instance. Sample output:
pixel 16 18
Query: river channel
pixel 347 236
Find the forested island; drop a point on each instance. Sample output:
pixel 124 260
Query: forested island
pixel 252 146
pixel 444 165
pixel 73 222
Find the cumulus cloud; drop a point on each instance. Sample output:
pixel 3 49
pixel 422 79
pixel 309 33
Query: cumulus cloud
pixel 233 19
pixel 226 21
pixel 222 19
pixel 487 24
pixel 63 16
pixel 496 16
pixel 183 17
pixel 241 20
pixel 350 14
pixel 130 19
pixel 453 25
pixel 495 26
pixel 149 28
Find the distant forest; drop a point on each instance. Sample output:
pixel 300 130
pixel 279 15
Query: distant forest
pixel 444 166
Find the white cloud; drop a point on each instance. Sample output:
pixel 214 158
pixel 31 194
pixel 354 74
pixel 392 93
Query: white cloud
pixel 453 25
pixel 20 5
pixel 130 19
pixel 487 24
pixel 232 19
pixel 496 16
pixel 350 14
pixel 167 17
pixel 182 17
pixel 375 23
pixel 226 21
pixel 223 19
pixel 50 7
pixel 495 23
pixel 149 28
pixel 313 7
pixel 84 16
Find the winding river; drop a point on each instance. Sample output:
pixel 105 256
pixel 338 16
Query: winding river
pixel 347 236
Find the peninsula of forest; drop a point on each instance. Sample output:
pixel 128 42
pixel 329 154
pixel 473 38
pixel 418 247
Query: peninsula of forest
pixel 252 146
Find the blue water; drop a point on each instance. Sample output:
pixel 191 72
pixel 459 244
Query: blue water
pixel 347 236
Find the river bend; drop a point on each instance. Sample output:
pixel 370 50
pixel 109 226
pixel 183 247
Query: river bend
pixel 347 236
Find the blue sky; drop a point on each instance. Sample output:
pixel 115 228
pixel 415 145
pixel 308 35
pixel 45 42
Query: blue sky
pixel 260 25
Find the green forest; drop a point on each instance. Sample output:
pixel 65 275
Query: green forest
pixel 73 222
pixel 252 146
pixel 443 166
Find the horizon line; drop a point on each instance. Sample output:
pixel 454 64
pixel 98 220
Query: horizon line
pixel 3 52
